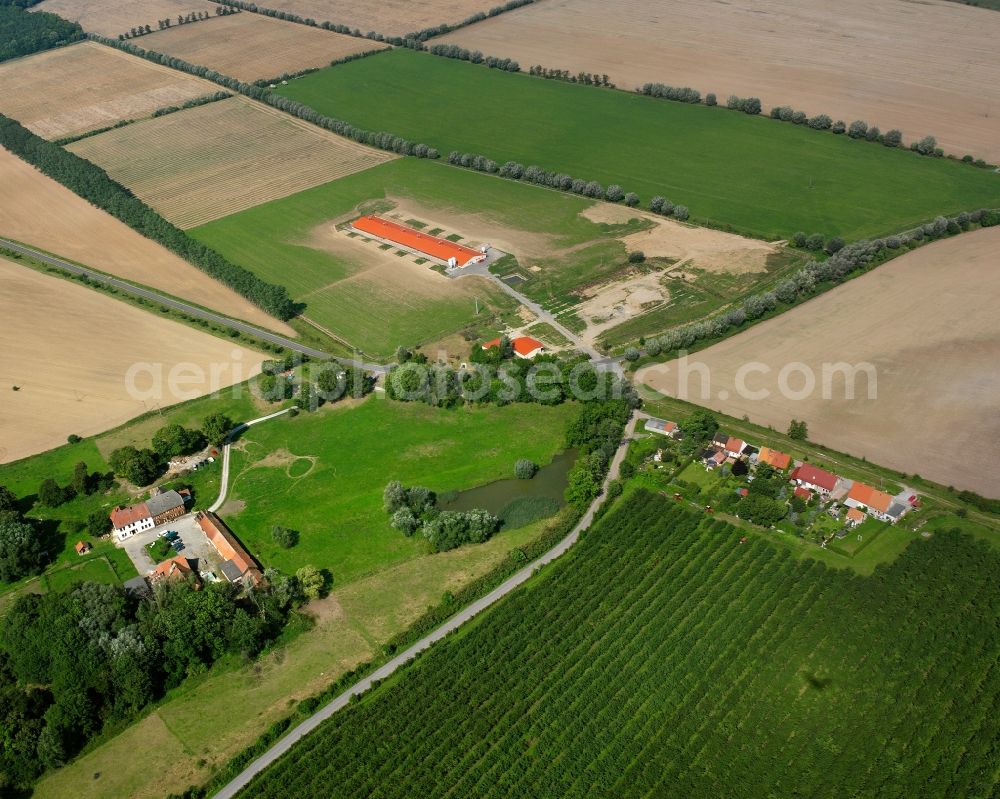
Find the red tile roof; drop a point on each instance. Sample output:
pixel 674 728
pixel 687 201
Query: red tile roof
pixel 735 445
pixel 814 476
pixel 779 460
pixel 121 517
pixel 870 497
pixel 855 515
pixel 442 249
pixel 227 546
pixel 805 493
pixel 525 345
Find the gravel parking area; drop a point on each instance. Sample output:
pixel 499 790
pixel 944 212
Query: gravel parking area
pixel 197 547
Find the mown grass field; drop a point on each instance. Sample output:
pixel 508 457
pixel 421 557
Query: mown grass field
pixel 760 176
pixel 365 303
pixel 323 474
pixel 662 657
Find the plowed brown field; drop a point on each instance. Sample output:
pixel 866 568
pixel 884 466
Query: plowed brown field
pixel 926 323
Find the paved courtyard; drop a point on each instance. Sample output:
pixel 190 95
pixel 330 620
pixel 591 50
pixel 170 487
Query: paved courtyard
pixel 197 547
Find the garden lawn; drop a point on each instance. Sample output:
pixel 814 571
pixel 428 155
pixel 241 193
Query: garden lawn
pixel 351 453
pixel 366 307
pixel 758 175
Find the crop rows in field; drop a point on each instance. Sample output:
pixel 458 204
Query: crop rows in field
pixel 666 658
pixel 208 162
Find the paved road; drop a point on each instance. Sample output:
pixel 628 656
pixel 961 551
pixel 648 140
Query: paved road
pixel 243 778
pixel 224 482
pixel 190 310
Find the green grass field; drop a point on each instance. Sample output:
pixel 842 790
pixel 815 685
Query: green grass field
pixel 373 313
pixel 756 174
pixel 662 657
pixel 348 454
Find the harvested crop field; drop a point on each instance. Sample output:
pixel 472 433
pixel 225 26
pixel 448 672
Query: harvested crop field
pixel 72 90
pixel 208 162
pixel 36 210
pixel 391 17
pixel 68 349
pixel 927 324
pixel 112 17
pixel 251 46
pixel 925 68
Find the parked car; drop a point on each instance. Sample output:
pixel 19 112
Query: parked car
pixel 177 544
pixel 172 536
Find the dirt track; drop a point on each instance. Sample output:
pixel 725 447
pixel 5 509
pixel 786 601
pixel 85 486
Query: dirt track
pixel 36 210
pixel 68 349
pixel 927 67
pixel 926 322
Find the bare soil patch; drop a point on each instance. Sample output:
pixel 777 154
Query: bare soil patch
pixel 251 46
pixel 927 67
pixel 86 86
pixel 208 162
pixel 478 229
pixel 927 324
pixel 69 350
pixel 36 210
pixel 391 17
pixel 113 17
pixel 704 248
pixel 614 303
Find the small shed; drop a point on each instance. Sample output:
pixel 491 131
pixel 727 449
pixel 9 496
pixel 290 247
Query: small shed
pixel 82 547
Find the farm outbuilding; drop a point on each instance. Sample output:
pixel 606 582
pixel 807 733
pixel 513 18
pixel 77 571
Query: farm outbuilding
pixel 441 250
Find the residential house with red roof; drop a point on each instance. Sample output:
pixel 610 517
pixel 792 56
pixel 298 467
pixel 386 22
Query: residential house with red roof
pixel 773 458
pixel 813 478
pixel 175 569
pixel 523 346
pixel 864 497
pixel 734 446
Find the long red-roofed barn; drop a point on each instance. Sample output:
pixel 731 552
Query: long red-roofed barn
pixel 442 250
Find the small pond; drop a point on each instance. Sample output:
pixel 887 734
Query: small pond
pixel 536 498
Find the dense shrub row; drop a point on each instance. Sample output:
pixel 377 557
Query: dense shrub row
pixel 474 57
pixel 814 278
pixel 194 102
pixel 541 177
pixel 479 16
pixel 94 185
pixel 664 92
pixel 379 139
pixel 585 78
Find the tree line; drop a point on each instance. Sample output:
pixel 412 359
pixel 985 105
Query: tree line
pixel 500 379
pixel 845 261
pixel 182 19
pixel 93 184
pixel 584 78
pixel 194 102
pixel 23 32
pixel 474 57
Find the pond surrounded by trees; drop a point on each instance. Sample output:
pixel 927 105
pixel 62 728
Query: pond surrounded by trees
pixel 518 502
